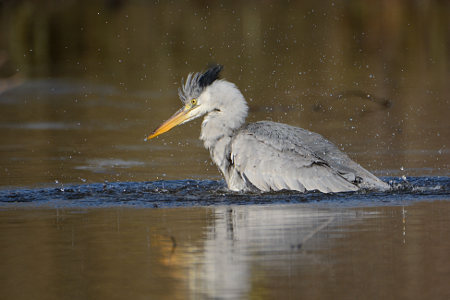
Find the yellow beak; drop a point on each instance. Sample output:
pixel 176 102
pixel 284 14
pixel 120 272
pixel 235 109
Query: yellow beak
pixel 179 117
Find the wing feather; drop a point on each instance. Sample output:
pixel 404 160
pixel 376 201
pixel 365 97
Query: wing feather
pixel 300 149
pixel 271 167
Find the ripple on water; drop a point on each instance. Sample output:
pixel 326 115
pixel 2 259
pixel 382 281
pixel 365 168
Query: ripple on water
pixel 176 193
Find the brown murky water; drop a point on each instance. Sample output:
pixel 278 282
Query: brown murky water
pixel 269 251
pixel 83 82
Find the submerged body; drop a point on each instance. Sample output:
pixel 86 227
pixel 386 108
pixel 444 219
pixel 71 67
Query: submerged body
pixel 265 156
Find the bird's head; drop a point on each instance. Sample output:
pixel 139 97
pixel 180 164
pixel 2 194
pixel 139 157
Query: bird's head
pixel 197 97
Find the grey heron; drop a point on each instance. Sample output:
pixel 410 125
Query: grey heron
pixel 265 155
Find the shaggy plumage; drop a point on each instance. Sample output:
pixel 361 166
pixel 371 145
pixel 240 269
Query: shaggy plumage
pixel 265 156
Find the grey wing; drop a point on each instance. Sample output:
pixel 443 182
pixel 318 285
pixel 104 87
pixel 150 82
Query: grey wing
pixel 304 158
pixel 269 163
pixel 299 138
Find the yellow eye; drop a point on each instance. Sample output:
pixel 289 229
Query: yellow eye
pixel 193 101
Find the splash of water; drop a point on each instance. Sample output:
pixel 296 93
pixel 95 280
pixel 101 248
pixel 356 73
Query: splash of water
pixel 176 193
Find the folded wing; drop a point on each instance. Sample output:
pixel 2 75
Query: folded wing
pixel 272 156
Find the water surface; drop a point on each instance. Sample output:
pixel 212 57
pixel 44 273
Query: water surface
pixel 295 250
pixel 79 97
pixel 187 193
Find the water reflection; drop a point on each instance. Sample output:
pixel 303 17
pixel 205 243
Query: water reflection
pixel 243 239
pixel 226 252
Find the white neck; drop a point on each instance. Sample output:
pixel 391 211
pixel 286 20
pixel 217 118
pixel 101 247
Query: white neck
pixel 224 118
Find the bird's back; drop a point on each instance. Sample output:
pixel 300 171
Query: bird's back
pixel 275 156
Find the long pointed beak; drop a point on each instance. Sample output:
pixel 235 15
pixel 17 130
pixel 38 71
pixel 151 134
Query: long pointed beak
pixel 179 117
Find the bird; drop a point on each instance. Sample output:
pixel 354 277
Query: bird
pixel 264 156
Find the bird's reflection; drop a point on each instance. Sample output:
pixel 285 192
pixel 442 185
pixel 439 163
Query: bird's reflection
pixel 246 242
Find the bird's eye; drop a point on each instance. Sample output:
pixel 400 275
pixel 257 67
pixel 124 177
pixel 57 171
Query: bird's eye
pixel 193 101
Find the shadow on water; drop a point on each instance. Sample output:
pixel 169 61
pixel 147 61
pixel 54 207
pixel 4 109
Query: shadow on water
pixel 187 193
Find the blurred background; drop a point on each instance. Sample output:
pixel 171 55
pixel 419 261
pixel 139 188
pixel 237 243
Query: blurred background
pixel 83 82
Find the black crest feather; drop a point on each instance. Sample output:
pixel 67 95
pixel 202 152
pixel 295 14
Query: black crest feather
pixel 210 75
